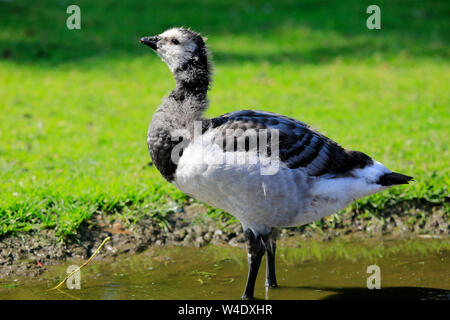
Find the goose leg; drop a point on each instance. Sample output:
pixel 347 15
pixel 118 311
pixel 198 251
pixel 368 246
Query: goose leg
pixel 270 243
pixel 255 249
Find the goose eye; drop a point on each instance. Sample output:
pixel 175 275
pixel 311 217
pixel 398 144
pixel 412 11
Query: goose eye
pixel 175 41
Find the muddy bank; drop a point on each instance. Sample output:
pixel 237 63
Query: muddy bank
pixel 29 254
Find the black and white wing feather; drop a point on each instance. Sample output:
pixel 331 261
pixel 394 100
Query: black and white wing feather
pixel 300 146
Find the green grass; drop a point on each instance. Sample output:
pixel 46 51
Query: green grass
pixel 75 105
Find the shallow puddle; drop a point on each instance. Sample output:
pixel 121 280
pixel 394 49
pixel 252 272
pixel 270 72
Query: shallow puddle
pixel 414 269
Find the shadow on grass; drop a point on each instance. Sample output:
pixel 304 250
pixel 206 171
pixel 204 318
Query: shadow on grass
pixel 35 32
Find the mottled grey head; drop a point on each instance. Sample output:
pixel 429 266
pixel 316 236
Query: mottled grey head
pixel 178 48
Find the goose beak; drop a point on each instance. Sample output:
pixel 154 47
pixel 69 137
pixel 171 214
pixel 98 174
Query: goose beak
pixel 150 41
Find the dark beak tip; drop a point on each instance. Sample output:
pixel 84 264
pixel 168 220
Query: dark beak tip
pixel 149 41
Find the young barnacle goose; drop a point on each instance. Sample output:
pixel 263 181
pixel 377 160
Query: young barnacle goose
pixel 266 169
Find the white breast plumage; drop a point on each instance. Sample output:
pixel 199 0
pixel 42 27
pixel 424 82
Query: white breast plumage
pixel 288 198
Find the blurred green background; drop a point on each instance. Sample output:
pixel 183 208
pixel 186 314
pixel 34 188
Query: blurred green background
pixel 75 104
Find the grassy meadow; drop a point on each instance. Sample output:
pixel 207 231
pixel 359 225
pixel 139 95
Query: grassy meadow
pixel 75 104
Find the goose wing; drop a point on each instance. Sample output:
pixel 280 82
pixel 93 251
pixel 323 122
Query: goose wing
pixel 300 146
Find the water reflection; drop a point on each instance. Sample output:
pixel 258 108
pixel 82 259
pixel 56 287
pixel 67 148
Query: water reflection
pixel 408 271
